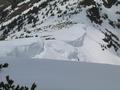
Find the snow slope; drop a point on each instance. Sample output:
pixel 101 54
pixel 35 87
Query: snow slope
pixel 42 36
pixel 81 48
pixel 64 30
pixel 61 75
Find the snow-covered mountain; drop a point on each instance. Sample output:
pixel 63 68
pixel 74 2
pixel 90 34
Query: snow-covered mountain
pixel 77 30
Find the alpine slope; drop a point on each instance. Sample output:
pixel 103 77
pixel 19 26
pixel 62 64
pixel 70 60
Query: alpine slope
pixel 71 30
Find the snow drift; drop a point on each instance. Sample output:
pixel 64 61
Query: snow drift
pixel 87 50
pixel 61 75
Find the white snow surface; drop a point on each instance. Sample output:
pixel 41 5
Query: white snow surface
pixel 72 38
pixel 61 75
pixel 77 43
pixel 45 59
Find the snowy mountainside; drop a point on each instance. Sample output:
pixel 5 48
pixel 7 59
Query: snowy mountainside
pixel 62 75
pixel 82 48
pixel 78 30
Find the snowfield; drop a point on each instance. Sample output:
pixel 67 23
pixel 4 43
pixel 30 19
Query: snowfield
pixel 61 75
pixel 63 31
pixel 77 43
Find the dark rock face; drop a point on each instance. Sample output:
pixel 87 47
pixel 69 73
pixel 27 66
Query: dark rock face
pixel 87 3
pixel 112 41
pixel 94 15
pixel 109 3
